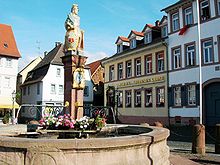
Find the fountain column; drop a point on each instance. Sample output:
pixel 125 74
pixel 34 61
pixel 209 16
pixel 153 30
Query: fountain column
pixel 74 62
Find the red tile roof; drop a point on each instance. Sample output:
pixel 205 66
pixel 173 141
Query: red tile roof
pixel 150 26
pixel 94 66
pixel 8 45
pixel 122 38
pixel 138 33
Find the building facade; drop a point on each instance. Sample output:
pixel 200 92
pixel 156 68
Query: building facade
pixel 136 77
pixel 9 56
pixel 184 60
pixel 44 84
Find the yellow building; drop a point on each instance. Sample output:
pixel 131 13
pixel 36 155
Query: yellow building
pixel 136 77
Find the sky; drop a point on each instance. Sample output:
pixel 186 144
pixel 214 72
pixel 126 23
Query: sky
pixel 38 24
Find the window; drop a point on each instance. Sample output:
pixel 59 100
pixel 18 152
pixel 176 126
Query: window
pixel 164 31
pixel 138 67
pixel 61 89
pixel 24 91
pixel 58 72
pixel 52 88
pixel 204 10
pixel 188 16
pixel 120 71
pixel 160 97
pixel 191 89
pixel 176 58
pixel 119 48
pixel 148 97
pixel 218 7
pixel 120 98
pixel 137 98
pixel 28 90
pixel 127 98
pixel 190 55
pixel 148 64
pixel 148 38
pixel 160 62
pixel 86 91
pixel 128 69
pixel 111 73
pixel 38 88
pixel 175 22
pixel 8 62
pixel 133 43
pixel 7 82
pixel 177 95
pixel 207 50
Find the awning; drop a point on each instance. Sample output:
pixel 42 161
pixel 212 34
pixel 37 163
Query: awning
pixel 6 103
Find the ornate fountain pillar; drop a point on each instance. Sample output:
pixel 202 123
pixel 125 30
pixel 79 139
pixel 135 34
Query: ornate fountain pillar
pixel 74 61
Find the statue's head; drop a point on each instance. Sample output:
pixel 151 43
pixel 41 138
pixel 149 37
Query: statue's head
pixel 75 9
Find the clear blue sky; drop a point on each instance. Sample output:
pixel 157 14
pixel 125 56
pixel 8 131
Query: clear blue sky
pixel 38 23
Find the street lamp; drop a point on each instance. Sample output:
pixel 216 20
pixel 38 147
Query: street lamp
pixel 13 106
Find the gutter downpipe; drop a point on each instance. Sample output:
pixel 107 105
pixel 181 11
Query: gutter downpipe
pixel 167 71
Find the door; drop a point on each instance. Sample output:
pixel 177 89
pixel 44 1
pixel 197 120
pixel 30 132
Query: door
pixel 212 104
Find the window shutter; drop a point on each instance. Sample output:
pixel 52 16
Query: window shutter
pixel 170 97
pixel 184 96
pixel 197 94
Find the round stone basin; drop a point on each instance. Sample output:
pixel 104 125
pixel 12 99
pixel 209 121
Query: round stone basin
pixel 115 145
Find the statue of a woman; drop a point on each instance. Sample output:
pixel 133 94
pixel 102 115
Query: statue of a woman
pixel 74 35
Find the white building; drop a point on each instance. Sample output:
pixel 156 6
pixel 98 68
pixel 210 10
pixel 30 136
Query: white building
pixel 44 85
pixel 9 56
pixel 183 51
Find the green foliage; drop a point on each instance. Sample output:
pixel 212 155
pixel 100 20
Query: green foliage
pixel 5 119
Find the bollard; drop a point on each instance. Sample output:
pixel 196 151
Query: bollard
pixel 217 137
pixel 198 139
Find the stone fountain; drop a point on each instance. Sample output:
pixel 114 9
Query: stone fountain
pixel 113 145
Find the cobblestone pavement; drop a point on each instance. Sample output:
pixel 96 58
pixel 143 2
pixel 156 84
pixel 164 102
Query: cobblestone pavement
pixel 180 144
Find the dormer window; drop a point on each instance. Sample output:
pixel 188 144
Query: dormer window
pixel 164 32
pixel 133 43
pixel 148 38
pixel 175 22
pixel 188 17
pixel 119 48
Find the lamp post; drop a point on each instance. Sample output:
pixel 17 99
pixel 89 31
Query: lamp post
pixel 13 106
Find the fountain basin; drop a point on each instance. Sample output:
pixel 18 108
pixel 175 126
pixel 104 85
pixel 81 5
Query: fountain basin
pixel 138 145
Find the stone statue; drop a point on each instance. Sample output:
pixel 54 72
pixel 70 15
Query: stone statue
pixel 74 38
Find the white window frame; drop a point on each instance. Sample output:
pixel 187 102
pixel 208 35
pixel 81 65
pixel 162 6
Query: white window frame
pixel 191 89
pixel 202 7
pixel 161 96
pixel 177 96
pixel 160 62
pixel 58 72
pixel 190 55
pixel 128 98
pixel 175 21
pixel 176 58
pixel 188 16
pixel 128 69
pixel 148 64
pixel 138 67
pixel 148 37
pixel 53 88
pixel 8 62
pixel 148 97
pixel 164 31
pixel 137 98
pixel 120 98
pixel 207 59
pixel 119 48
pixel 61 89
pixel 120 71
pixel 111 73
pixel 133 43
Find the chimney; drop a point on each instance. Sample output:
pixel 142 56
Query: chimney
pixel 57 44
pixel 157 23
pixel 45 53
